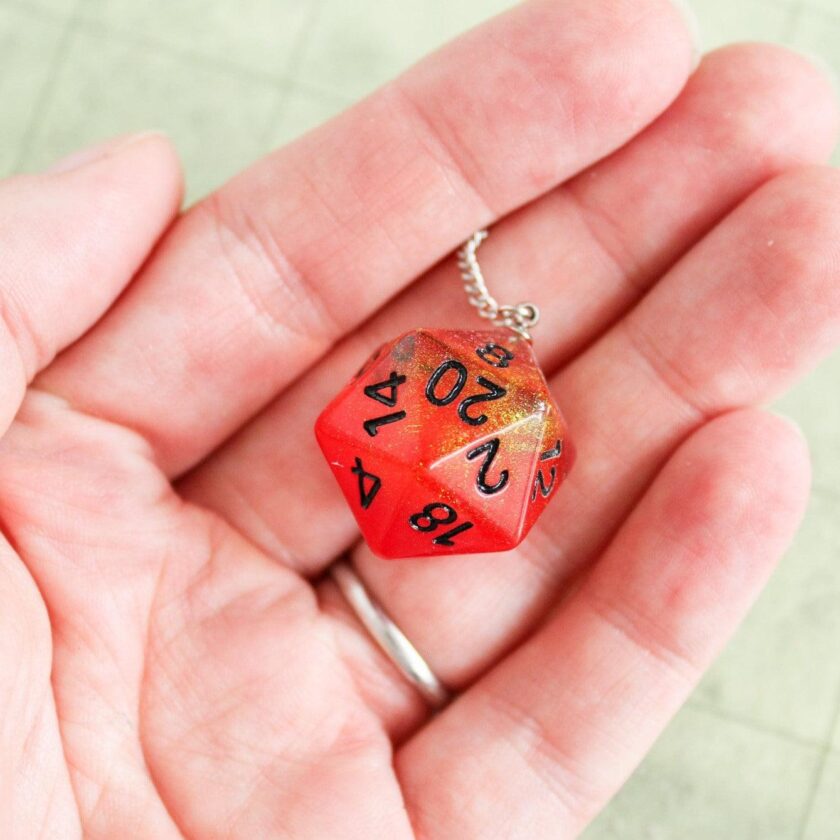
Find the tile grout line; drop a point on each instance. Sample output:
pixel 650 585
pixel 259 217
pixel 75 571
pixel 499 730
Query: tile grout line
pixel 234 69
pixel 290 71
pixel 56 62
pixel 756 726
pixel 36 11
pixel 826 752
pixel 92 26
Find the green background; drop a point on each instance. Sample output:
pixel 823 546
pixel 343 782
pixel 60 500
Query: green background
pixel 756 752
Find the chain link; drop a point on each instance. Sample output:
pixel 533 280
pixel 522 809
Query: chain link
pixel 519 318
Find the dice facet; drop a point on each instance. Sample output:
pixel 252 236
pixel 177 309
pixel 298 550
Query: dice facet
pixel 446 442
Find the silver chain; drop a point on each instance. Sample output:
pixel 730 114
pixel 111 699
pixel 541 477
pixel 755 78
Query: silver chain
pixel 520 318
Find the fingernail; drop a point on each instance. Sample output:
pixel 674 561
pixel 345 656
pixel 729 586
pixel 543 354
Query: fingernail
pixel 99 151
pixel 821 63
pixel 693 26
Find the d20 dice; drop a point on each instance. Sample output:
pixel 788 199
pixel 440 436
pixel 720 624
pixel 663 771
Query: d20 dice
pixel 446 441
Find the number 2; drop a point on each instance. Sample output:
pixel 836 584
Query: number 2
pixel 540 485
pixel 489 449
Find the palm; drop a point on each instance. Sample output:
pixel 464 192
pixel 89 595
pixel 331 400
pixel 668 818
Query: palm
pixel 188 668
pixel 193 672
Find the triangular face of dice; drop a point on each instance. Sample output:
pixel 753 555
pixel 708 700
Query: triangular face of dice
pixel 440 443
pixel 375 409
pixel 556 457
pixel 367 481
pixel 494 474
pixel 479 386
pixel 431 519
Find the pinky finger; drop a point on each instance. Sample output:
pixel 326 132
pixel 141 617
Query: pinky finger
pixel 540 744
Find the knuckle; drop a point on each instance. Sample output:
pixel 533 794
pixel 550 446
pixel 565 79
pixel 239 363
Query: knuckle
pixel 553 762
pixel 278 296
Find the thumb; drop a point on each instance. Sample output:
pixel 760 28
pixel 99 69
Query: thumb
pixel 72 238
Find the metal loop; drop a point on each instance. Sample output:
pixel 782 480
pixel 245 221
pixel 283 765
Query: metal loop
pixel 388 636
pixel 519 318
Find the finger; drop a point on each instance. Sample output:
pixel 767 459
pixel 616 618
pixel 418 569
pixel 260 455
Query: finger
pixel 257 282
pixel 542 742
pixel 735 322
pixel 271 739
pixel 651 199
pixel 34 785
pixel 72 239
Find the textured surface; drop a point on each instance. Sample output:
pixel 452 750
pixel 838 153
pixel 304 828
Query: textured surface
pixel 757 753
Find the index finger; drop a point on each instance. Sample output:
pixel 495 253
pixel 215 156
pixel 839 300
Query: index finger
pixel 259 280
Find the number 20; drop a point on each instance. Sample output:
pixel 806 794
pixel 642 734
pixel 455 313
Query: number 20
pixel 492 391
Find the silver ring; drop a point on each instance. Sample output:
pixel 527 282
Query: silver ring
pixel 388 636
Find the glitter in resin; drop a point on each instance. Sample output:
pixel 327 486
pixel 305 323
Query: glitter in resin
pixel 446 442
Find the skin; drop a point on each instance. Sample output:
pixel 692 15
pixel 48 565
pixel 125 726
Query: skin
pixel 172 660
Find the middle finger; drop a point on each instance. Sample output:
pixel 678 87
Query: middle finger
pixel 585 253
pixel 257 282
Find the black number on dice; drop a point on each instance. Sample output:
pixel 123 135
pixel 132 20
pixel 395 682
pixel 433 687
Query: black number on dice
pixel 433 522
pixel 367 492
pixel 372 425
pixel 494 392
pixel 385 393
pixel 446 539
pixel 454 391
pixel 495 354
pixel 377 390
pixel 540 484
pixel 489 450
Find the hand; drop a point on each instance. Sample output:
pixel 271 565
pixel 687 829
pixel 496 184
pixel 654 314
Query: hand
pixel 172 661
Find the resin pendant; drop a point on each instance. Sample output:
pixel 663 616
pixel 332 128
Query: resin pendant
pixel 446 442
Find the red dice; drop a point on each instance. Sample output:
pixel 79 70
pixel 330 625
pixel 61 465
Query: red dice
pixel 446 442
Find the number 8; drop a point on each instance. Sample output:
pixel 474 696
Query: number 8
pixel 428 513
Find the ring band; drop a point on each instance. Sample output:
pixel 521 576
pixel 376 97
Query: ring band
pixel 388 636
